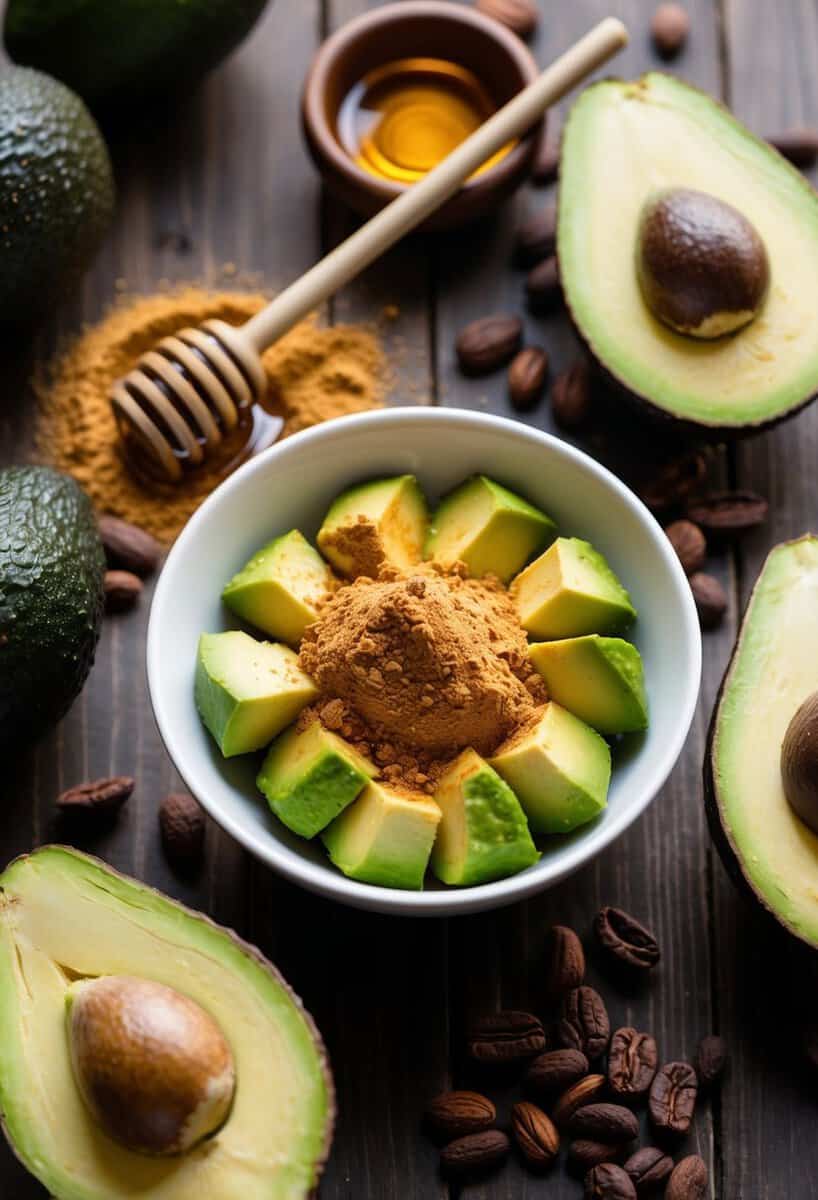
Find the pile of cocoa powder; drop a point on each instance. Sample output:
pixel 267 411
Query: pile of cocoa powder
pixel 413 668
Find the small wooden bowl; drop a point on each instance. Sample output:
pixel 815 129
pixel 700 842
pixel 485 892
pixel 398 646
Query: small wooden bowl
pixel 430 28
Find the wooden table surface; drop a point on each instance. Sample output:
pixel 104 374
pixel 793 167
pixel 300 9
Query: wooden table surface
pixel 226 179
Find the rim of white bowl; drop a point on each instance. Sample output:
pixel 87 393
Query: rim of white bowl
pixel 462 900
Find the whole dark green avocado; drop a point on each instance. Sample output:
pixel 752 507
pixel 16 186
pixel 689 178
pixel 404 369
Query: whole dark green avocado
pixel 120 52
pixel 52 568
pixel 56 191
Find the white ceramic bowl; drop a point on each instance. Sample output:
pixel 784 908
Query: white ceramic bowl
pixel 290 486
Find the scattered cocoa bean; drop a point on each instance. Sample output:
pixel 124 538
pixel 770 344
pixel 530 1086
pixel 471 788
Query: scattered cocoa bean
pixel 536 238
pixel 648 1168
pixel 556 1070
pixel 689 543
pixel 505 1037
pixel 182 826
pixel 632 1062
pixel 710 598
pixel 475 1153
pixel 585 1091
pixel 672 1099
pixel 584 1024
pixel 674 481
pixel 688 1180
pixel 98 796
pixel 610 1123
pixel 626 939
pixel 609 1182
pixel 535 1134
pixel 728 514
pixel 487 343
pixel 122 590
pixel 543 286
pixel 455 1114
pixel 583 1154
pixel 128 547
pixel 571 398
pixel 520 16
pixel 669 29
pixel 710 1060
pixel 566 960
pixel 526 377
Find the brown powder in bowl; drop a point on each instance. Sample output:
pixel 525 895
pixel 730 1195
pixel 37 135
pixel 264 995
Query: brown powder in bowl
pixel 414 668
pixel 315 374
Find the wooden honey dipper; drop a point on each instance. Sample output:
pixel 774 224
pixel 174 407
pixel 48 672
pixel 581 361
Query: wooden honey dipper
pixel 183 398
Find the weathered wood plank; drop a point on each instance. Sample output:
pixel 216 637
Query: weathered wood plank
pixel 765 983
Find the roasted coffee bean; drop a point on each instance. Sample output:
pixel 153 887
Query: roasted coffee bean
pixel 584 1154
pixel 128 547
pixel 675 481
pixel 485 345
pixel 689 543
pixel 584 1024
pixel 648 1168
pixel 710 599
pixel 182 827
pixel 604 1123
pixel 505 1037
pixel 728 513
pixel 625 938
pixel 556 1070
pixel 454 1114
pixel 672 1099
pixel 688 1180
pixel 565 960
pixel 710 1060
pixel 543 287
pixel 122 590
pixel 669 29
pixel 521 16
pixel 800 146
pixel 98 796
pixel 546 161
pixel 571 397
pixel 584 1091
pixel 535 1134
pixel 475 1153
pixel 609 1182
pixel 632 1063
pixel 536 238
pixel 526 377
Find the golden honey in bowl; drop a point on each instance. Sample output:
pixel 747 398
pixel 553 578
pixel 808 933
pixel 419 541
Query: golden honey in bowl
pixel 402 118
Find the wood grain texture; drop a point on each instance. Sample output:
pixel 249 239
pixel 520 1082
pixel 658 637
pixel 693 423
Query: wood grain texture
pixel 223 186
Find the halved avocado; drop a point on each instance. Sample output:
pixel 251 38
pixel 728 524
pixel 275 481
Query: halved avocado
pixel 765 846
pixel 624 142
pixel 64 916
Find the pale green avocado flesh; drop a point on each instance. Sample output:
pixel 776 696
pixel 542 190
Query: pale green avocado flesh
pixel 570 590
pixel 487 527
pixel 559 771
pixel 483 833
pixel 624 141
pixel 309 776
pixel 395 514
pixel 774 669
pixel 384 837
pixel 248 691
pixel 599 679
pixel 280 588
pixel 65 916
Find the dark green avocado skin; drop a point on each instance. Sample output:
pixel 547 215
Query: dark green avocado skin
pixel 115 53
pixel 56 192
pixel 51 574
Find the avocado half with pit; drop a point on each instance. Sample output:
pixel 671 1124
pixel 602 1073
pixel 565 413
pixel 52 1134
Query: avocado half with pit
pixel 767 848
pixel 688 254
pixel 66 917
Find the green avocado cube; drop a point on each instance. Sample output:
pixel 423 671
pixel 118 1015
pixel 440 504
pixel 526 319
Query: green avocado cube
pixel 310 775
pixel 483 833
pixel 599 679
pixel 247 691
pixel 570 590
pixel 376 524
pixel 489 528
pixel 280 588
pixel 384 837
pixel 559 770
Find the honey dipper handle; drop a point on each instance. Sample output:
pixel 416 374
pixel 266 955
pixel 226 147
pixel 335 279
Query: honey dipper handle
pixel 420 200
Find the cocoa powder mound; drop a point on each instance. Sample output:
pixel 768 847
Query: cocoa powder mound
pixel 413 669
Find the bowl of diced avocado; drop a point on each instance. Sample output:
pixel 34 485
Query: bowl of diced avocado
pixel 611 657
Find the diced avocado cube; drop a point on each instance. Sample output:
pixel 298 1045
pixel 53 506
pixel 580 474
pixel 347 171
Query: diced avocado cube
pixel 310 775
pixel 376 524
pixel 559 770
pixel 598 679
pixel 247 691
pixel 384 837
pixel 280 588
pixel 483 834
pixel 489 528
pixel 570 590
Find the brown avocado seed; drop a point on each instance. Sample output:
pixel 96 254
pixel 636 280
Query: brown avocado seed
pixel 153 1068
pixel 799 762
pixel 702 267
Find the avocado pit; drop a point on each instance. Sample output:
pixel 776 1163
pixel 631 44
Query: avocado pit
pixel 702 266
pixel 153 1068
pixel 799 762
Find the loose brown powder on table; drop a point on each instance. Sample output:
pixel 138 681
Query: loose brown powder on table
pixel 414 668
pixel 315 374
